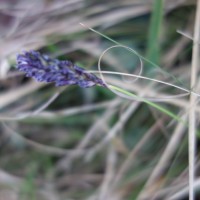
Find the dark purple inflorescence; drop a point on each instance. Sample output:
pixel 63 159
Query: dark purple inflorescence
pixel 44 69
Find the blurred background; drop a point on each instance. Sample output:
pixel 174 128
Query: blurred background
pixel 71 143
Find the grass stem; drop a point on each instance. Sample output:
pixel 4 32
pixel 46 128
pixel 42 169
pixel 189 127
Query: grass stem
pixel 192 114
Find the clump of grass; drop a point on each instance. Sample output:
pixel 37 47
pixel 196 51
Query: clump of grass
pixel 91 143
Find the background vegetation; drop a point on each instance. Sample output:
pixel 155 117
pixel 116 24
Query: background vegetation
pixel 71 143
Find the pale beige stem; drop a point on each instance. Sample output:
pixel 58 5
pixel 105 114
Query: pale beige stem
pixel 192 114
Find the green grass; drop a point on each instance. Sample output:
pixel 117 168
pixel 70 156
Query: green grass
pixel 155 31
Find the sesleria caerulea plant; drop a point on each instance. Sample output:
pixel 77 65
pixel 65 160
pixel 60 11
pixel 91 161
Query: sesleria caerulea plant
pixel 63 72
pixel 60 72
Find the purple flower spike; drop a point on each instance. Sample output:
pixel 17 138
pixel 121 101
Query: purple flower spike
pixel 44 69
